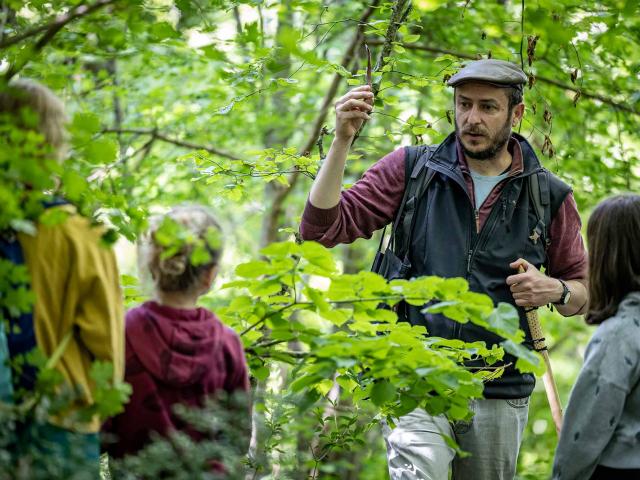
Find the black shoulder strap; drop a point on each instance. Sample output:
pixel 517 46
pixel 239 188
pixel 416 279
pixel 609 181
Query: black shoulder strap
pixel 416 185
pixel 393 263
pixel 540 198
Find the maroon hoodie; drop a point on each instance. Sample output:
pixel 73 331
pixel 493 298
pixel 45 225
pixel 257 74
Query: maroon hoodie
pixel 173 356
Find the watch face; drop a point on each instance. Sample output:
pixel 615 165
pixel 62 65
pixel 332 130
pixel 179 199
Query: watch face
pixel 567 297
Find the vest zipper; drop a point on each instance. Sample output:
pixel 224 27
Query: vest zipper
pixel 473 245
pixel 492 217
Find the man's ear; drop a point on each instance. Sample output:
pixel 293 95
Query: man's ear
pixel 518 113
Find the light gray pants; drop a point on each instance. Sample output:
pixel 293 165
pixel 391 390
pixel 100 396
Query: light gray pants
pixel 416 449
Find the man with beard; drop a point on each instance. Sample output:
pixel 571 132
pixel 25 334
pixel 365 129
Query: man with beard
pixel 487 208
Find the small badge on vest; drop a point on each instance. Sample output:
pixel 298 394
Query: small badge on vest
pixel 535 236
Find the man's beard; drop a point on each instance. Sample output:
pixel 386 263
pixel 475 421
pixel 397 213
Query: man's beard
pixel 498 141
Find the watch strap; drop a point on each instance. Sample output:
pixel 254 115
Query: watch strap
pixel 565 293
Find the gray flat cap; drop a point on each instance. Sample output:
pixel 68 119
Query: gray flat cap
pixel 495 72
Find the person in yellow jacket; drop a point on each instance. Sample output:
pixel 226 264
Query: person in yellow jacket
pixel 74 278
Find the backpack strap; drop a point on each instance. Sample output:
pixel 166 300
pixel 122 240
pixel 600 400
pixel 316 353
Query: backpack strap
pixel 410 157
pixel 393 262
pixel 547 193
pixel 416 185
pixel 540 198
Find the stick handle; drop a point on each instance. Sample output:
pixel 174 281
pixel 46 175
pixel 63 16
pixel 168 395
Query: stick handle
pixel 549 383
pixel 552 393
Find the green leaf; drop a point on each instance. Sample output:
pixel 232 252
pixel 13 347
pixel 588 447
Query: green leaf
pixel 74 185
pixel 163 30
pixel 338 316
pixel 261 373
pixel 53 216
pixel 280 249
pixel 318 255
pixel 101 151
pixel 505 320
pixel 527 360
pixel 200 255
pixel 382 392
pixel 85 124
pixel 265 288
pixel 303 381
pixel 253 269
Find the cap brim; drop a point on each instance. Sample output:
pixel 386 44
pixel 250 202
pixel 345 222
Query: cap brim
pixel 493 83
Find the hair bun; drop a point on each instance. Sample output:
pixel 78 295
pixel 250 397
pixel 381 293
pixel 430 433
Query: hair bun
pixel 174 266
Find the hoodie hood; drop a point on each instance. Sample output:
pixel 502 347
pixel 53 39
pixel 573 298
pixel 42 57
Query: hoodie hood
pixel 176 346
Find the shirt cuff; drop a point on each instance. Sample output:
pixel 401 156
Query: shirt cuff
pixel 321 217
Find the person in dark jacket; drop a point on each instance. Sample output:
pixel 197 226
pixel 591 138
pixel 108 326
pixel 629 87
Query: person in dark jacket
pixel 478 220
pixel 176 352
pixel 600 436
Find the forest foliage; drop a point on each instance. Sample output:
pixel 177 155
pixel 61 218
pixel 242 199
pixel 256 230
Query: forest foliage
pixel 230 103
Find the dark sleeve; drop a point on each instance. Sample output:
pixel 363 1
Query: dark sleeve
pixel 567 255
pixel 367 206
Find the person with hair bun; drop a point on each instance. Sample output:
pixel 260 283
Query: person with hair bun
pixel 600 437
pixel 176 352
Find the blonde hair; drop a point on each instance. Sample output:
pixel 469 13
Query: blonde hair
pixel 23 94
pixel 177 271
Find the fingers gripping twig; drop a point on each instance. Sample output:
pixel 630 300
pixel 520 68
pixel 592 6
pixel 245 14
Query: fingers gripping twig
pixel 401 9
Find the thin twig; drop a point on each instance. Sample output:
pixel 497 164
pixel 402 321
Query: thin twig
pixel 400 11
pixel 164 138
pixel 522 36
pixel 579 64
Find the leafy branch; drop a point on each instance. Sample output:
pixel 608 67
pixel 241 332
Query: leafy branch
pixel 283 192
pixel 50 30
pixel 156 135
pixel 253 170
pixel 55 25
pixel 549 81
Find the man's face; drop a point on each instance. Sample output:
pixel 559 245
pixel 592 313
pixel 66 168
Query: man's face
pixel 483 120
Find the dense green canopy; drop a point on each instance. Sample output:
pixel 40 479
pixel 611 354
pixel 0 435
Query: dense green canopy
pixel 230 104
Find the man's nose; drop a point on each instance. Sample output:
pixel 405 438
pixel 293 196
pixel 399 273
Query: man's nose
pixel 474 115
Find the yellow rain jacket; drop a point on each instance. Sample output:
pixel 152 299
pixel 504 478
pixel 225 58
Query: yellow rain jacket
pixel 75 281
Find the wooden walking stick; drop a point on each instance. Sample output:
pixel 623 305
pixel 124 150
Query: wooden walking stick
pixel 540 346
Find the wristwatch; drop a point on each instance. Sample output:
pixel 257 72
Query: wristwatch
pixel 566 294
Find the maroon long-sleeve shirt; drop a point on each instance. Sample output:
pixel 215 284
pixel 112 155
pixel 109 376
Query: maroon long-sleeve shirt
pixel 372 201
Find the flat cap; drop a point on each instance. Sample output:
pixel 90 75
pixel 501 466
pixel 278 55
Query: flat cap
pixel 495 72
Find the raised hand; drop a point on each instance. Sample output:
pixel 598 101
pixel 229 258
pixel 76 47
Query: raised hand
pixel 352 110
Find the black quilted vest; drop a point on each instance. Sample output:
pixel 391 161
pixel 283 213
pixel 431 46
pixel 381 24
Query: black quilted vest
pixel 445 243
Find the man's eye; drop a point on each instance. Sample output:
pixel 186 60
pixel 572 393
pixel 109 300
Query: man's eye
pixel 488 108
